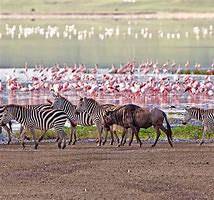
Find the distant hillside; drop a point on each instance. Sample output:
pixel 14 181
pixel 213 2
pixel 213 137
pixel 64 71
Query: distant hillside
pixel 103 6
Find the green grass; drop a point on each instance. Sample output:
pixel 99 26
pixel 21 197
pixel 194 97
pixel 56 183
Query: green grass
pixel 104 6
pixel 179 132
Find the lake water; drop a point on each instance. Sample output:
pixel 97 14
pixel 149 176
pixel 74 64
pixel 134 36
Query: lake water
pixel 105 42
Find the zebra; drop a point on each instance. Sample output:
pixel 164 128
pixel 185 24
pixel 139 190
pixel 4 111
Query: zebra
pixel 205 116
pixel 96 112
pixel 4 124
pixel 82 118
pixel 37 107
pixel 38 119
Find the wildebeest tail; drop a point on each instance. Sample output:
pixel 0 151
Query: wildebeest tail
pixel 169 130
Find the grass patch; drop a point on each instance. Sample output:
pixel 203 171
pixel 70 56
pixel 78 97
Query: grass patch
pixel 90 132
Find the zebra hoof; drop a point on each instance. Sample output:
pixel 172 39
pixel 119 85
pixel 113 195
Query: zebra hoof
pixel 8 141
pixel 59 146
pixel 63 147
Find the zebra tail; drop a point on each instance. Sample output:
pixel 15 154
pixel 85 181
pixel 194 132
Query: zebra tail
pixel 169 130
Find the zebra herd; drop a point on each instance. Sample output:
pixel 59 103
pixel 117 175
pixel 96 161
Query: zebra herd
pixel 89 112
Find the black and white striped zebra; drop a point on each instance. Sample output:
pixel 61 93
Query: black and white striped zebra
pixel 65 105
pixel 96 112
pixel 205 116
pixel 37 107
pixel 4 124
pixel 38 119
pixel 82 118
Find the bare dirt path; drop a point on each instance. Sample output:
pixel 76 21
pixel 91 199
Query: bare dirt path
pixel 85 171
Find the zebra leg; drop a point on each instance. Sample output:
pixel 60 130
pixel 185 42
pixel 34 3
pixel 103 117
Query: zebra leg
pixel 203 134
pixel 71 135
pixel 42 136
pixel 100 129
pixel 10 126
pixel 22 139
pixel 22 128
pixel 8 132
pixel 62 137
pixel 34 138
pixel 75 136
pixel 157 137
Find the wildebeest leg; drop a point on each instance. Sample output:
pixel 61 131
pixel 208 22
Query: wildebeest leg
pixel 117 138
pixel 8 132
pixel 168 136
pixel 123 137
pixel 133 131
pixel 137 136
pixel 158 135
pixel 112 137
pixel 34 138
pixel 203 134
pixel 106 136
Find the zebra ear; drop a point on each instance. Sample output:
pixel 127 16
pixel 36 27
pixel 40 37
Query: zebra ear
pixel 187 108
pixel 49 101
pixel 54 93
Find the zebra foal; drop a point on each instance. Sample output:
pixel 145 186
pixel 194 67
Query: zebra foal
pixel 205 116
pixel 38 119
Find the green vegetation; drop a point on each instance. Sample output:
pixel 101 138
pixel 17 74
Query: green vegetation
pixel 179 132
pixel 103 6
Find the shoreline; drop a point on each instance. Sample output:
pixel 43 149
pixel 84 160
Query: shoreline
pixel 149 16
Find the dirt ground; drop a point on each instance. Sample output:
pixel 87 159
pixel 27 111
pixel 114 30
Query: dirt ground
pixel 85 171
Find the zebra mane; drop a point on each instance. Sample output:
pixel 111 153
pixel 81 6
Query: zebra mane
pixel 13 105
pixel 66 100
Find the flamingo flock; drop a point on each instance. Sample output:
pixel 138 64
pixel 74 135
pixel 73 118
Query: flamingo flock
pixel 130 80
pixel 72 31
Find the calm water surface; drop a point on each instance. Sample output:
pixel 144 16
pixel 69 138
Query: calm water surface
pixel 105 42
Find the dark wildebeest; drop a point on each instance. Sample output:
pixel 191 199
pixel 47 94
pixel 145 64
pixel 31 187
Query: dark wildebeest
pixel 134 117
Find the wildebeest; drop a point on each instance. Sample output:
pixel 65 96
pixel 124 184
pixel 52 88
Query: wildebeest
pixel 134 117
